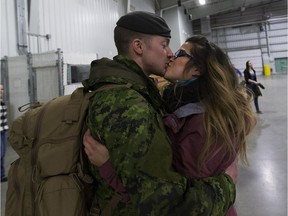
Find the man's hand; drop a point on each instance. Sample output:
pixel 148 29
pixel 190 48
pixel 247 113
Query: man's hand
pixel 97 153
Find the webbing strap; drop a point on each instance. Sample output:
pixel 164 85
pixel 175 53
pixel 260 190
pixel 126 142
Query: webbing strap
pixel 95 211
pixel 111 205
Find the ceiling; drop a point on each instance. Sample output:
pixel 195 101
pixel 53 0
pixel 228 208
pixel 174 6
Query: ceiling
pixel 212 7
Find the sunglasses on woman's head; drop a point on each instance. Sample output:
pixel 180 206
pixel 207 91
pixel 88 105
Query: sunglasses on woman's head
pixel 181 53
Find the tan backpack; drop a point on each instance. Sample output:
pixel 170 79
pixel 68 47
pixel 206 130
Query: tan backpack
pixel 50 177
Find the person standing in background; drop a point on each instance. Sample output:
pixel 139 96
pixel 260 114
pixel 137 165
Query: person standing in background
pixel 251 83
pixel 3 129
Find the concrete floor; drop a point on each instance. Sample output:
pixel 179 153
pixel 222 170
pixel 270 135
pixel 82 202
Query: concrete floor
pixel 261 187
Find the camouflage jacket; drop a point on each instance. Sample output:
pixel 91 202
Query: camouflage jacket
pixel 128 120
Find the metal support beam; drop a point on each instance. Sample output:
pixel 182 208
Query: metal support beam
pixel 267 39
pixel 32 84
pixel 21 27
pixel 60 71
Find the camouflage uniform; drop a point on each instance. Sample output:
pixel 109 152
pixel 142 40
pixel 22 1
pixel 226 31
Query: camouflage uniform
pixel 128 120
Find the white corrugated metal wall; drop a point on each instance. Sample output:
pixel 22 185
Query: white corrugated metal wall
pixel 238 43
pixel 75 26
pixel 249 38
pixel 8 29
pixel 84 26
pixel 239 59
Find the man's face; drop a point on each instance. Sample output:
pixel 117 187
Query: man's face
pixel 156 55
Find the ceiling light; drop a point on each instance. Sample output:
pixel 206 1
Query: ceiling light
pixel 202 2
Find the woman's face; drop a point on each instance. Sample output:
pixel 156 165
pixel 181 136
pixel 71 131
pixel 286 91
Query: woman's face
pixel 175 69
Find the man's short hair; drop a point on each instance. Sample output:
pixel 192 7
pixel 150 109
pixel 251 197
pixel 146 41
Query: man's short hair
pixel 123 37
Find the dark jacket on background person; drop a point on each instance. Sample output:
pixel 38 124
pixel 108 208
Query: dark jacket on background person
pixel 3 117
pixel 4 132
pixel 128 119
pixel 252 86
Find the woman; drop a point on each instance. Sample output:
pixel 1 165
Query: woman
pixel 208 114
pixel 251 83
pixel 207 126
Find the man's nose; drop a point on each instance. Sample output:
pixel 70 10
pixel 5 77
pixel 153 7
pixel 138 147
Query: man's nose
pixel 170 53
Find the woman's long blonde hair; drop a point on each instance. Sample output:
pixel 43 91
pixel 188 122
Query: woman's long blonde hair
pixel 228 116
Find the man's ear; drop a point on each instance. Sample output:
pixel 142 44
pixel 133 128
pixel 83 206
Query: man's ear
pixel 195 71
pixel 137 45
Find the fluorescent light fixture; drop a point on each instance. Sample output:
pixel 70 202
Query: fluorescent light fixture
pixel 202 2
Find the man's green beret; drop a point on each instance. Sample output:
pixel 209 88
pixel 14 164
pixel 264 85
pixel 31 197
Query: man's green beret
pixel 145 22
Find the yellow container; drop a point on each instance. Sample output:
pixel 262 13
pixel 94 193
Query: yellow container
pixel 267 71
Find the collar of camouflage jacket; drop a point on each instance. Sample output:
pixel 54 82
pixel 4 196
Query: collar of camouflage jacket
pixel 123 70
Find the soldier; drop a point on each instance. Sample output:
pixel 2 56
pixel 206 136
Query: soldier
pixel 128 119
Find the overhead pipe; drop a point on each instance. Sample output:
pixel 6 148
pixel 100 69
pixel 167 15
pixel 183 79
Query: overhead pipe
pixel 237 25
pixel 251 23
